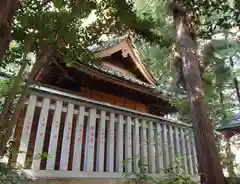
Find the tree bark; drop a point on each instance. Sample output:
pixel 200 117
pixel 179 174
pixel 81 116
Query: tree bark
pixel 8 9
pixel 208 158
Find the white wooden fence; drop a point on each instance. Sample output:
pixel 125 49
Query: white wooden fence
pixel 85 136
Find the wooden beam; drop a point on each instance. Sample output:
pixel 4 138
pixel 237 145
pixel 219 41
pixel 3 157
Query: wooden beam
pixel 139 64
pixel 114 80
pixel 127 49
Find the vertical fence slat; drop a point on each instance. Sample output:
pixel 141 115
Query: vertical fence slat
pixel 172 150
pixel 195 158
pixel 136 146
pixel 128 145
pixel 151 154
pixel 144 155
pixel 178 150
pixel 166 146
pixel 40 133
pixel 52 149
pixel 101 142
pixel 26 130
pixel 183 146
pixel 159 152
pixel 189 153
pixel 85 138
pixel 119 149
pixel 91 139
pixel 66 138
pixel 110 144
pixel 78 142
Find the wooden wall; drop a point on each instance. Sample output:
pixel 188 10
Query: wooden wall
pixel 113 100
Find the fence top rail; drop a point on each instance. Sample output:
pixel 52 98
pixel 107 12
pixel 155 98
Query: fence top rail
pixel 58 92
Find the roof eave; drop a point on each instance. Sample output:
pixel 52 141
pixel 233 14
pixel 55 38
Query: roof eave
pixel 127 49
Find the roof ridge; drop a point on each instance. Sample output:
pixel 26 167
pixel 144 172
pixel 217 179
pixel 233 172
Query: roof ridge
pixel 105 44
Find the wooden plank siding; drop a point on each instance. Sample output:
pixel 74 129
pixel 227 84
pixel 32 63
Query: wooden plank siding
pixel 87 136
pixel 113 100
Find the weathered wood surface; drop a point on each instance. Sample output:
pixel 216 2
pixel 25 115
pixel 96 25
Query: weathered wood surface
pixel 85 135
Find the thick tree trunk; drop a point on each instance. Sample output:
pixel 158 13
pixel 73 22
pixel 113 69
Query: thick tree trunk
pixel 208 158
pixel 8 9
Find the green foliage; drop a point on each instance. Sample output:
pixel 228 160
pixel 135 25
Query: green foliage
pixel 60 24
pixel 4 86
pixel 211 17
pixel 10 175
pixel 43 156
pixel 181 103
pixel 157 55
pixel 175 173
pixel 169 176
pixel 219 75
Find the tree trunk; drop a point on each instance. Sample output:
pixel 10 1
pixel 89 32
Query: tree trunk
pixel 14 89
pixel 41 62
pixel 13 121
pixel 208 158
pixel 8 106
pixel 8 9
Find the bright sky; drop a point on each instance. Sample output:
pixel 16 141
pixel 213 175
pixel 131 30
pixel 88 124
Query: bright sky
pixel 90 19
